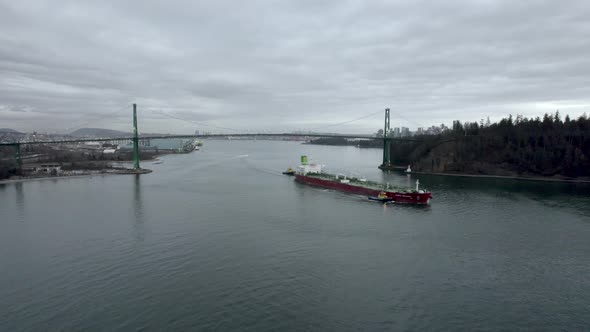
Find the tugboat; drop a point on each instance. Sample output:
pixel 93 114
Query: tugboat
pixel 289 172
pixel 313 174
pixel 382 197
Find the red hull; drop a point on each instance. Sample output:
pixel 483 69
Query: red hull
pixel 401 197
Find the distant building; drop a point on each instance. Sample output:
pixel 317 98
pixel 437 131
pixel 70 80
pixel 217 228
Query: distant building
pixel 433 130
pixel 166 144
pixel 48 168
pixel 419 131
pixel 96 144
pixel 405 132
pixel 396 132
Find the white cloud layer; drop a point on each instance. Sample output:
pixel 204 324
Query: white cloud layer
pixel 286 65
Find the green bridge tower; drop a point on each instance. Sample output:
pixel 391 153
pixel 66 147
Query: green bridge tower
pixel 386 165
pixel 135 140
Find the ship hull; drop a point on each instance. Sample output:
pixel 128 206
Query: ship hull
pixel 398 197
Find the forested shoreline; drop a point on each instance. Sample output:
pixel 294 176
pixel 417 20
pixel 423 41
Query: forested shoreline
pixel 548 146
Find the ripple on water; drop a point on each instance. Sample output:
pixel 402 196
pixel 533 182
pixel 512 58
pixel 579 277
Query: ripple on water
pixel 211 241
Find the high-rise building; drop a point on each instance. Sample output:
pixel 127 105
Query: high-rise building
pixel 405 132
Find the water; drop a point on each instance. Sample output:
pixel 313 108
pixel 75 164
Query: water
pixel 219 240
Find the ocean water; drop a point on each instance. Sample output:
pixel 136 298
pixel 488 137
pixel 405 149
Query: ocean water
pixel 219 240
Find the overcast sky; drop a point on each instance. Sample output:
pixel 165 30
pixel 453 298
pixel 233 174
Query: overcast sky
pixel 288 65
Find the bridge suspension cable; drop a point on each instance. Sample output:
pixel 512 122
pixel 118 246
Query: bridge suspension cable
pixel 123 111
pixel 408 120
pixel 349 121
pixel 168 115
pixel 194 122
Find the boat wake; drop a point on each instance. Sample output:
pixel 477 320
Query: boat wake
pixel 262 169
pixel 208 163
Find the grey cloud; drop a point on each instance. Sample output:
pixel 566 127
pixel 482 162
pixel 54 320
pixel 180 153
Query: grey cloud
pixel 293 64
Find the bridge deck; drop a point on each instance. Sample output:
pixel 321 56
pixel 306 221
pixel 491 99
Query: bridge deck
pixel 106 139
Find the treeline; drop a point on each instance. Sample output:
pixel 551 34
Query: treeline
pixel 8 166
pixel 31 154
pixel 548 146
pixel 340 141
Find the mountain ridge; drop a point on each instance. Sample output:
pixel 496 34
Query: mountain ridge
pixel 10 130
pixel 99 132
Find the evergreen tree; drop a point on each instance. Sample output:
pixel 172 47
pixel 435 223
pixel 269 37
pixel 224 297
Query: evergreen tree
pixel 536 146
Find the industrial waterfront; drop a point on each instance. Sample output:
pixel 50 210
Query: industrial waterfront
pixel 218 239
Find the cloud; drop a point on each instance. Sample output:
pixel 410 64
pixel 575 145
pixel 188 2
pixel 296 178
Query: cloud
pixel 289 65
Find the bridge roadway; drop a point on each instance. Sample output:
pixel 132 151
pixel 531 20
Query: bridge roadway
pixel 81 140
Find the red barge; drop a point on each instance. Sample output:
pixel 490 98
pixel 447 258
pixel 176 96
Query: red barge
pixel 312 174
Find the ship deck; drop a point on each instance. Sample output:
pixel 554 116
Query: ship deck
pixel 357 182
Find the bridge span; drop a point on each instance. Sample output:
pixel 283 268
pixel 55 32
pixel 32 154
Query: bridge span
pixel 253 135
pixel 387 140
